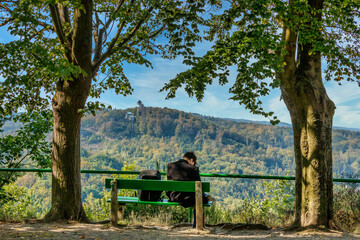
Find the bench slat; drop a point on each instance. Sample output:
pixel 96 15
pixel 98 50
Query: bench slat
pixel 135 200
pixel 157 185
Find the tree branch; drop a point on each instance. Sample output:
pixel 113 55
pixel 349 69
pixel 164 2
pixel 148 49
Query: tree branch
pixel 100 34
pixel 35 34
pixel 6 21
pixel 135 29
pixel 5 7
pixel 64 14
pixel 101 58
pixel 97 36
pixel 155 34
pixel 55 15
pixel 12 172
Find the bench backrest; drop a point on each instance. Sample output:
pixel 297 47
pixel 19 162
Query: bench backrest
pixel 157 185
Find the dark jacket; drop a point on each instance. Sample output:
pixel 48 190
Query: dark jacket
pixel 181 170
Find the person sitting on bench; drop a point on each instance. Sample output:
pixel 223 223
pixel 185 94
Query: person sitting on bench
pixel 185 169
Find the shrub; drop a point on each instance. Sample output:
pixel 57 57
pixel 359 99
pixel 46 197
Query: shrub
pixel 347 206
pixel 23 204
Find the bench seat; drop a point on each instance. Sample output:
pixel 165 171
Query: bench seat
pixel 135 200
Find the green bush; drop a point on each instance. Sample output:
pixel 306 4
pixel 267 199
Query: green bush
pixel 347 206
pixel 24 204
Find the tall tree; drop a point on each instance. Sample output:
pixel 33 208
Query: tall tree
pixel 65 51
pixel 286 44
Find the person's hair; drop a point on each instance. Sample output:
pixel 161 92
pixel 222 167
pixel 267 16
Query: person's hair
pixel 190 155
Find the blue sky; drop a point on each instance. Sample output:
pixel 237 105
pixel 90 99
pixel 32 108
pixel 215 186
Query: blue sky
pixel 147 82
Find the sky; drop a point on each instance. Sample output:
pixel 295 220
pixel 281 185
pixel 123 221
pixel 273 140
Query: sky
pixel 147 82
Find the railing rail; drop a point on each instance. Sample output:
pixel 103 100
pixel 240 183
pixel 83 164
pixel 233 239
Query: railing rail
pixel 216 175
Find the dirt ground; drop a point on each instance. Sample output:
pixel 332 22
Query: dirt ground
pixel 61 231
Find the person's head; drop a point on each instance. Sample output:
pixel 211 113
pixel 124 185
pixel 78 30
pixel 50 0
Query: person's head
pixel 191 158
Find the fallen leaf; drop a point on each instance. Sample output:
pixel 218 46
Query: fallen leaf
pixel 82 237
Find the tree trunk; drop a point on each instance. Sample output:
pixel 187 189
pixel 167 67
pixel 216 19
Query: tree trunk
pixel 66 184
pixel 311 113
pixel 69 100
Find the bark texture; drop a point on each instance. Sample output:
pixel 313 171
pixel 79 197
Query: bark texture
pixel 69 99
pixel 311 113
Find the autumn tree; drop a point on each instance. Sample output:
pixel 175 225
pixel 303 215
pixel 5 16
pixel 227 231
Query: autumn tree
pixel 63 52
pixel 288 45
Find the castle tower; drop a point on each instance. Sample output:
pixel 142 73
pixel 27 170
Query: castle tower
pixel 141 107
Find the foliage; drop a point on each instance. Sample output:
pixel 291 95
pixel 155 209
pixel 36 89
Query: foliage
pixel 250 36
pixel 24 203
pixel 40 55
pixel 347 206
pixel 97 209
pixel 27 146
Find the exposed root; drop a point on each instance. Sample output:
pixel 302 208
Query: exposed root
pixel 308 229
pixel 54 215
pixel 178 225
pixel 101 222
pixel 240 226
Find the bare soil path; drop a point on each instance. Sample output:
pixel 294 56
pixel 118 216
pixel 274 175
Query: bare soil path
pixel 61 231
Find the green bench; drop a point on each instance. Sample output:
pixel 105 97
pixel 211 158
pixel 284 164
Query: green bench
pixel 117 202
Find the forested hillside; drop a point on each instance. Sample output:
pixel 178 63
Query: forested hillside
pixel 152 137
pixel 149 138
pixel 160 135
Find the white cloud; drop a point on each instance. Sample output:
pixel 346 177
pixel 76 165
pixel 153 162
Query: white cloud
pixel 347 92
pixel 346 116
pixel 347 101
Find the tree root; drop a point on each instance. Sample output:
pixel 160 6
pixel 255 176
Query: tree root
pixel 317 229
pixel 54 215
pixel 240 226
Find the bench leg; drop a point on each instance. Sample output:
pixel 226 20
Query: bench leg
pixel 203 216
pixel 114 204
pixel 120 212
pixel 199 206
pixel 190 213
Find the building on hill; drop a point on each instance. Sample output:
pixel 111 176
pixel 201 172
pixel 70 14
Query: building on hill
pixel 131 118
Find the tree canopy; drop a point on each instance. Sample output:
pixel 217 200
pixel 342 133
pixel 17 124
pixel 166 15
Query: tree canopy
pixel 249 36
pixel 43 45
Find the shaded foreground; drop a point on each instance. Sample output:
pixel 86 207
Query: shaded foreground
pixel 62 231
